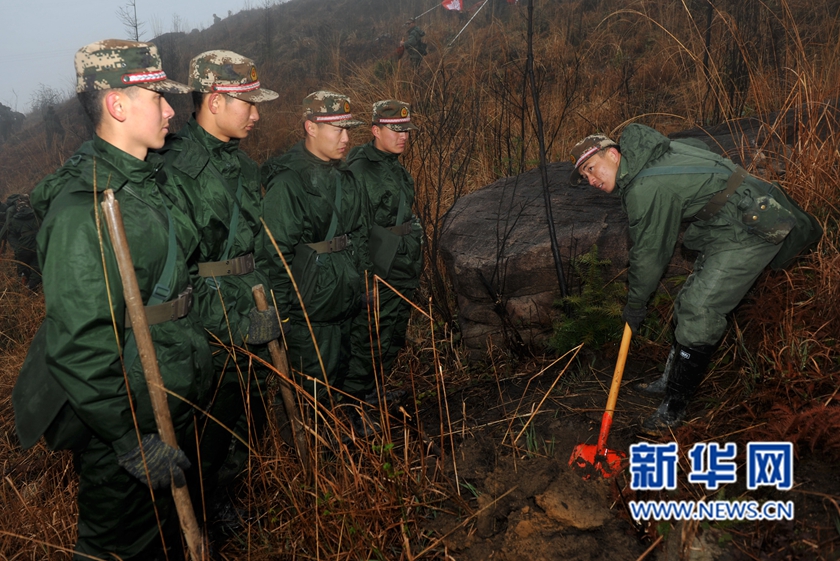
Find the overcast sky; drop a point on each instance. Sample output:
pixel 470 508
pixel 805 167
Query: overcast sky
pixel 38 38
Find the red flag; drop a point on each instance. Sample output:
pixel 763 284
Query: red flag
pixel 452 5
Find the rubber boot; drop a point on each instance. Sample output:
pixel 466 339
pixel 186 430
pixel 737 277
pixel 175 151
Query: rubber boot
pixel 657 387
pixel 687 373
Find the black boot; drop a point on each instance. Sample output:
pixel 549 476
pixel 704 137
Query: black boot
pixel 689 367
pixel 657 387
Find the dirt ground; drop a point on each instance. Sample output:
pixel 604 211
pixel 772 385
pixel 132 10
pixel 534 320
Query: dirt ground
pixel 528 503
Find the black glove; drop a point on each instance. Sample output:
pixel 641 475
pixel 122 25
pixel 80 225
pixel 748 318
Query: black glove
pixel 264 326
pixel 163 462
pixel 634 317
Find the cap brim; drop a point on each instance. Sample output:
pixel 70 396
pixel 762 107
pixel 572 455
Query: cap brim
pixel 405 127
pixel 166 86
pixel 256 96
pixel 574 177
pixel 347 124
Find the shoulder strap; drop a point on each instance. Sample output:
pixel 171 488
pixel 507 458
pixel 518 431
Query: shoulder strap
pixel 401 208
pixel 719 199
pixel 336 209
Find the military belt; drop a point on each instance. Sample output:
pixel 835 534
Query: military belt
pixel 168 311
pixel 338 243
pixel 403 229
pixel 237 266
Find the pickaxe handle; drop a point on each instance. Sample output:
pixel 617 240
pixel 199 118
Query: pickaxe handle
pixel 281 363
pixel 148 359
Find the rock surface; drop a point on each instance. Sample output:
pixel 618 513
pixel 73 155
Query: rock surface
pixel 497 251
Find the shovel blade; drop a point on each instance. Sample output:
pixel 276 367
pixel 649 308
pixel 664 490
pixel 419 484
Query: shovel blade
pixel 585 457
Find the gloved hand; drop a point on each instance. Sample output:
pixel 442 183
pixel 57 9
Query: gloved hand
pixel 163 462
pixel 634 317
pixel 264 326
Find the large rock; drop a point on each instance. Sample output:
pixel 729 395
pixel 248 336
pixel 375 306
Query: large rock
pixel 497 251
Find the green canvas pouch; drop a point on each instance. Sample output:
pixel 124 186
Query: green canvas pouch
pixel 383 245
pixel 37 398
pixel 802 238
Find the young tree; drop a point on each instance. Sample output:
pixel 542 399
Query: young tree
pixel 128 16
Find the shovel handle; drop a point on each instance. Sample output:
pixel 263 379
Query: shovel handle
pixel 606 420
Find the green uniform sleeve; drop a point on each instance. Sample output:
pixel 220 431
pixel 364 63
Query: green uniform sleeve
pixel 284 212
pixel 82 341
pixel 655 216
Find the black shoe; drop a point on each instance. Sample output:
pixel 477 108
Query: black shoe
pixel 658 386
pixel 360 422
pixel 392 398
pixel 689 367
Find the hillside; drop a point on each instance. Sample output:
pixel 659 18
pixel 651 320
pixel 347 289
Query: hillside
pixel 474 465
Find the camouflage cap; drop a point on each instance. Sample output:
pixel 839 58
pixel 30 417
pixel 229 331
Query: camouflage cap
pixel 114 63
pixel 330 108
pixel 228 73
pixel 393 114
pixel 585 149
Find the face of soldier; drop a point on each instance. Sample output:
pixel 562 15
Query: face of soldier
pixel 145 116
pixel 234 117
pixel 601 169
pixel 326 142
pixel 388 140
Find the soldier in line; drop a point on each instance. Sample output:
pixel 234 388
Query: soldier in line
pixel 80 386
pixel 740 225
pixel 215 183
pixel 319 217
pixel 395 246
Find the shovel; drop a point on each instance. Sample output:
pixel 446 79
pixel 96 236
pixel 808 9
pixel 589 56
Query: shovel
pixel 591 457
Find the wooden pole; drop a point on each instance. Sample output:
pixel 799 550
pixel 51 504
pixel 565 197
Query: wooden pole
pixel 148 358
pixel 281 363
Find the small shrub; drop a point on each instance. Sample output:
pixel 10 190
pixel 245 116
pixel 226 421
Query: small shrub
pixel 595 313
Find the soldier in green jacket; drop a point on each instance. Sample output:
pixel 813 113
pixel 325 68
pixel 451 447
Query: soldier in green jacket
pixel 20 229
pixel 318 216
pixel 740 225
pixel 89 393
pixel 414 44
pixel 395 246
pixel 215 183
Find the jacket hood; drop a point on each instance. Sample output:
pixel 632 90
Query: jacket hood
pixel 299 159
pixel 113 168
pixel 640 145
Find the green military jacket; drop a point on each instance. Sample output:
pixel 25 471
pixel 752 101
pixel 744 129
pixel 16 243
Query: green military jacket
pixel 85 308
pixel 298 208
pixel 388 185
pixel 22 229
pixel 212 182
pixel 656 205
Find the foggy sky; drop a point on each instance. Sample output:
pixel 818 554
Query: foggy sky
pixel 40 37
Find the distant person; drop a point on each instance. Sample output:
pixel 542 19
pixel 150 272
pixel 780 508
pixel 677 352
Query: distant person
pixel 396 252
pixel 7 121
pixel 216 19
pixel 20 228
pixel 414 45
pixel 319 217
pixel 52 127
pixel 739 224
pixel 218 186
pixel 82 385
